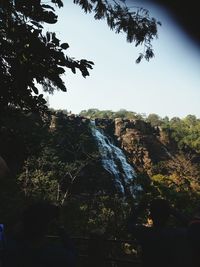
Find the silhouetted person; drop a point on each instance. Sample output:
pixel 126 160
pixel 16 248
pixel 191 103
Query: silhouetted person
pixel 161 245
pixel 28 245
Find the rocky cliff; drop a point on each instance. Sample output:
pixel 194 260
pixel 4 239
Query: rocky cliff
pixel 143 144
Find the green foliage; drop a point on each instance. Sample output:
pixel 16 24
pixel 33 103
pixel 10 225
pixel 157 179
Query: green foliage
pixel 109 114
pixel 52 172
pixel 57 159
pixel 185 132
pixel 97 213
pixel 154 119
pixel 180 184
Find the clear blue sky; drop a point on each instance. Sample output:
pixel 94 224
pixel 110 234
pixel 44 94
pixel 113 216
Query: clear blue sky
pixel 168 85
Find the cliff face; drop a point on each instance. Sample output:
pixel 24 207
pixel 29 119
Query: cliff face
pixel 143 144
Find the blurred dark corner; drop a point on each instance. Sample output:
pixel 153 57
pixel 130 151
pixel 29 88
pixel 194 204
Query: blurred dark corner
pixel 186 14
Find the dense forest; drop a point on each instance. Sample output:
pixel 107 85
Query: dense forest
pixel 52 155
pixel 55 157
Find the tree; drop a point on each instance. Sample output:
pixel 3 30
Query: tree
pixel 53 170
pixel 178 180
pixel 30 56
pixel 185 132
pixel 154 119
pixel 136 24
pixel 191 120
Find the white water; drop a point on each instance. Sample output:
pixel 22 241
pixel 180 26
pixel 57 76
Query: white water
pixel 113 159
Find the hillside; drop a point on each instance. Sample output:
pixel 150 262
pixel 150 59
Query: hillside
pixel 56 157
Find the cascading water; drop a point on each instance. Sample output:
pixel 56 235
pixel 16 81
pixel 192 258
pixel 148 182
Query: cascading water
pixel 113 159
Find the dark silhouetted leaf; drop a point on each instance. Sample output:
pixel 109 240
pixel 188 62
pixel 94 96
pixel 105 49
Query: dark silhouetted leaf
pixel 64 46
pixel 48 6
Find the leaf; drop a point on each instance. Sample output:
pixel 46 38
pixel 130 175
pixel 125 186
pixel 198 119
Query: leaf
pixel 138 60
pixel 55 40
pixel 35 90
pixel 37 24
pixel 48 6
pixel 73 70
pixel 64 46
pixel 48 36
pixel 57 2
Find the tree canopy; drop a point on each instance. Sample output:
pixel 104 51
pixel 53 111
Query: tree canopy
pixel 30 56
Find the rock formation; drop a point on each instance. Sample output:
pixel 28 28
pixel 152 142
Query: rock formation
pixel 141 142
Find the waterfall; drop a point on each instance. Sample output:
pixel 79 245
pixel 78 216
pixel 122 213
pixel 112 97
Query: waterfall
pixel 113 159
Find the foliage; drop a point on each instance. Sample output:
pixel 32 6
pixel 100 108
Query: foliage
pixel 31 58
pixel 136 23
pixel 185 133
pixel 109 114
pixel 177 178
pixel 180 184
pixel 154 119
pixel 106 213
pixel 66 150
pixel 54 173
pixel 21 134
pixel 57 159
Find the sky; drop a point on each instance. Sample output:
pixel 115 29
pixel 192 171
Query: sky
pixel 168 85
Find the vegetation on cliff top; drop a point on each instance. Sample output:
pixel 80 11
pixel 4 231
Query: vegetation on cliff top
pixel 185 132
pixel 58 160
pixel 51 162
